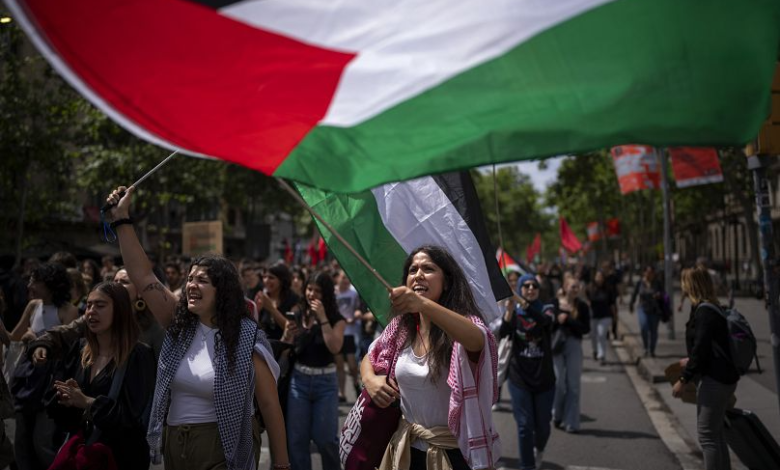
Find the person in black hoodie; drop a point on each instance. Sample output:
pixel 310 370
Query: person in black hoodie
pixel 709 363
pixel 573 320
pixel 531 375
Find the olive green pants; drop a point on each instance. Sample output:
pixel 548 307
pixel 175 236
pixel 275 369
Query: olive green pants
pixel 198 447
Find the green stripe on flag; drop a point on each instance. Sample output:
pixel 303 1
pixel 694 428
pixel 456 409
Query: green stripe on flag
pixel 356 218
pixel 656 72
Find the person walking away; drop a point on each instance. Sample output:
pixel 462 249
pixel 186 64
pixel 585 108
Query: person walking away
pixel 441 347
pixel 213 364
pixel 37 438
pixel 531 374
pixel 604 308
pixel 708 365
pixel 110 344
pixel 572 318
pixel 649 290
pixel 312 401
pixel 348 301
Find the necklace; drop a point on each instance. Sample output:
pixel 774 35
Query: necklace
pixel 205 331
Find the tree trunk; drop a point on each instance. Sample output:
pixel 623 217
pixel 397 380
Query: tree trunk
pixel 25 189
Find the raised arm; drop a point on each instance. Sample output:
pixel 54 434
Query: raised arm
pixel 161 301
pixel 24 323
pixel 458 327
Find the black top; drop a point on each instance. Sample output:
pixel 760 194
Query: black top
pixel 650 296
pixel 122 422
pixel 531 365
pixel 267 322
pixel 310 348
pixel 706 327
pixel 602 298
pixel 573 327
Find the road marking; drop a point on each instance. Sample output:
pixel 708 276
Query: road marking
pixel 590 379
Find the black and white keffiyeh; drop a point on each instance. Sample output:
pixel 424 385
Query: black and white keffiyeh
pixel 233 392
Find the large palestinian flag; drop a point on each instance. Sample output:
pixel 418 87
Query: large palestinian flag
pixel 388 222
pixel 348 94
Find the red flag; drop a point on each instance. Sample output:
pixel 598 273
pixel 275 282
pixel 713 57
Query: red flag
pixel 534 248
pixel 322 250
pixel 637 168
pixel 594 231
pixel 695 165
pixel 568 239
pixel 613 228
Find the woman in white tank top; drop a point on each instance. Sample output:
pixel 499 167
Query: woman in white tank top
pixel 37 440
pixel 443 348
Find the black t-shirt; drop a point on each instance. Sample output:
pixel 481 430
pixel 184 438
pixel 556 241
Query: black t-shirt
pixel 310 348
pixel 601 301
pixel 531 366
pixel 267 322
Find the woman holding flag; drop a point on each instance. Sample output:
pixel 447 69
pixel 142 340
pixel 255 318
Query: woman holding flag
pixel 439 346
pixel 214 362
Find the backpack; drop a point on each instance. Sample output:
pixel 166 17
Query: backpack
pixel 742 342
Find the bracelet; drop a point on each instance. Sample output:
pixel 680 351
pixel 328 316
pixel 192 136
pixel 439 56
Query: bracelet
pixel 281 466
pixel 323 323
pixel 124 221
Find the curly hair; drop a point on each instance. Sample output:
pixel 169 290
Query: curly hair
pixel 56 279
pixel 324 281
pixel 230 304
pixel 456 296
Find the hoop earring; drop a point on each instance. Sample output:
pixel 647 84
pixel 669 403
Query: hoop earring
pixel 139 305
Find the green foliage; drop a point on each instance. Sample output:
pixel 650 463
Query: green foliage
pixel 519 206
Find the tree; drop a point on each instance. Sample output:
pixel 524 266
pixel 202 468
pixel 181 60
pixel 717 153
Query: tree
pixel 37 112
pixel 519 208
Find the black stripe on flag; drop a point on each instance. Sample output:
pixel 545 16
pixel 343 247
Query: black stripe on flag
pixel 216 4
pixel 459 189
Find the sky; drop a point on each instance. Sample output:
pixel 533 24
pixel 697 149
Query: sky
pixel 540 178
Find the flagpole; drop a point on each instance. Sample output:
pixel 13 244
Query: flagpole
pixel 668 271
pixel 140 180
pixel 498 220
pixel 332 230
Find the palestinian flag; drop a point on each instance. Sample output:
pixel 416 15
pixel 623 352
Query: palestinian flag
pixel 507 263
pixel 386 223
pixel 350 94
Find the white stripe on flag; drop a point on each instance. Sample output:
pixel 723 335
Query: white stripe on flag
pixel 404 48
pixel 417 212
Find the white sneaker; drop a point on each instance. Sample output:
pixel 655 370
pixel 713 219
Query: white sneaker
pixel 538 458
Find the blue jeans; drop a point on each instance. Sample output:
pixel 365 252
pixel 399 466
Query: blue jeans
pixel 533 412
pixel 568 372
pixel 648 325
pixel 313 415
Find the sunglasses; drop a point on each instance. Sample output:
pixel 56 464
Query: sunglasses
pixel 529 285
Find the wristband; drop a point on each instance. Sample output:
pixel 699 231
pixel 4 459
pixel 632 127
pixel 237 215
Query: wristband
pixel 118 222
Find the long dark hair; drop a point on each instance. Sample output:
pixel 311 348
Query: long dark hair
pixel 124 327
pixel 230 304
pixel 325 282
pixel 55 277
pixel 282 272
pixel 456 296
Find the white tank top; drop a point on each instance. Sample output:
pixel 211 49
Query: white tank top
pixel 192 388
pixel 44 318
pixel 423 401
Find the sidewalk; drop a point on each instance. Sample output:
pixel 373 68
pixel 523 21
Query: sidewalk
pixel 755 392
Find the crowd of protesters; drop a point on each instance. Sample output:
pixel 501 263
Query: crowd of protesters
pixel 211 353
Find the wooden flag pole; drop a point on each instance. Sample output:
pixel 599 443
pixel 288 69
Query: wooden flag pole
pixel 332 230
